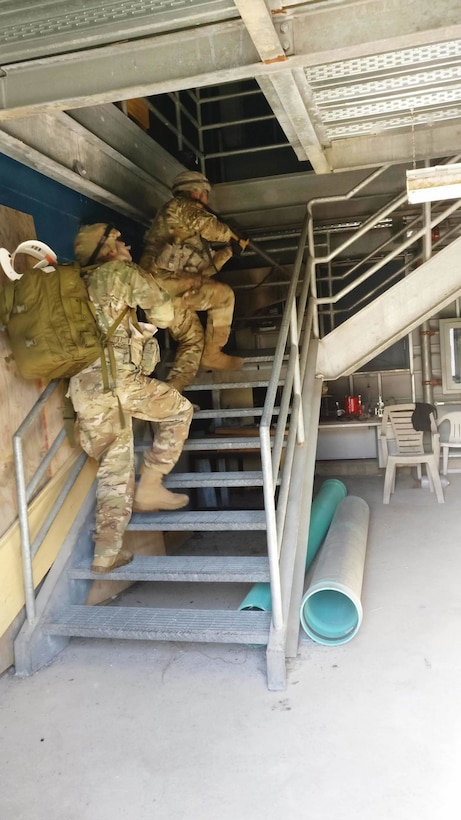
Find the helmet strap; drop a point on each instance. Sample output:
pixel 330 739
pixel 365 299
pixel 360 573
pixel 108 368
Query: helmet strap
pixel 101 242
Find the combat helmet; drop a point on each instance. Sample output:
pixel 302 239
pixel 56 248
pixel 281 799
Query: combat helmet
pixel 91 239
pixel 190 181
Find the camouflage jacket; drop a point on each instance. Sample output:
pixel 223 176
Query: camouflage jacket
pixel 114 285
pixel 178 239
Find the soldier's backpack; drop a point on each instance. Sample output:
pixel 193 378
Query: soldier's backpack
pixel 49 317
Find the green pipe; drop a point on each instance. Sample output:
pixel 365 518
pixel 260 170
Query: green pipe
pixel 331 609
pixel 323 508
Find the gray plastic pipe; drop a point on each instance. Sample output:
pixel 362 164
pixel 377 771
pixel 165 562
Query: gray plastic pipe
pixel 331 609
pixel 323 508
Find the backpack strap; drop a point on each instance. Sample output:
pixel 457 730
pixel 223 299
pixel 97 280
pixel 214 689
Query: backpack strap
pixel 106 337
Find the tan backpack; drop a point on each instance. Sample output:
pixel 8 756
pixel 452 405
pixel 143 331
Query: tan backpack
pixel 50 321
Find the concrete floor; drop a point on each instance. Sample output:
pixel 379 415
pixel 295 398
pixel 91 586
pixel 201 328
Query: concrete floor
pixel 370 730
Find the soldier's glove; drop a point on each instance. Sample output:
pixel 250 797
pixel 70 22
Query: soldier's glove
pixel 238 244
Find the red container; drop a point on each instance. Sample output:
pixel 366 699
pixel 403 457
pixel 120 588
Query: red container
pixel 353 405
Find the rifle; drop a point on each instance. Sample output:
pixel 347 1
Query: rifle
pixel 243 242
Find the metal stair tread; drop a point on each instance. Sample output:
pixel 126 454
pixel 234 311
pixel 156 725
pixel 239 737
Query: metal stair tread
pixel 257 376
pixel 237 412
pixel 262 355
pixel 194 568
pixel 215 443
pixel 145 623
pixel 235 478
pixel 260 380
pixel 211 520
pixel 223 443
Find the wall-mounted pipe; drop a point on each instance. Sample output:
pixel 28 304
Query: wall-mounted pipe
pixel 331 609
pixel 323 509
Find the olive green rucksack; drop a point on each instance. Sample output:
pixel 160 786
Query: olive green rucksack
pixel 51 323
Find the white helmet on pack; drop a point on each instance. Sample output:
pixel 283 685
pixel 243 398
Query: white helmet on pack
pixel 32 247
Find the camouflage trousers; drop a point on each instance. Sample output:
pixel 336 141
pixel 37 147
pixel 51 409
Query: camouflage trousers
pixel 187 330
pixel 103 437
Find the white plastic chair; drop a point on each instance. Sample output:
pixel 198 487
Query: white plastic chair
pixel 454 437
pixel 409 449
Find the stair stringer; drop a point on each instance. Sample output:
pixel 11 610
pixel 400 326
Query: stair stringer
pixel 33 647
pixel 394 314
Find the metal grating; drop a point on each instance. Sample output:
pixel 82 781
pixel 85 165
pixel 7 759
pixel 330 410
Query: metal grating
pixel 390 85
pixel 219 626
pixel 194 568
pixel 389 61
pixel 202 520
pixel 407 120
pixel 237 478
pixel 382 92
pixel 402 102
pixel 64 26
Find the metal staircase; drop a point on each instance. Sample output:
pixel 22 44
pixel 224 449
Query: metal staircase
pixel 285 439
pixel 60 611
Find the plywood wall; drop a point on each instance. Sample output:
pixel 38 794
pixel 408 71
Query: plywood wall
pixel 17 396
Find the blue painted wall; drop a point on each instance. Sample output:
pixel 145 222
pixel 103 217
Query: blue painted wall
pixel 58 211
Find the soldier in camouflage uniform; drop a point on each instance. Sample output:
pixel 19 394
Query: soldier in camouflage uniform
pixel 104 416
pixel 178 255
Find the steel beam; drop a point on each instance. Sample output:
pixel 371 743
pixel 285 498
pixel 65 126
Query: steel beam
pixel 219 53
pixel 380 149
pixel 100 153
pixel 128 70
pixel 260 27
pixel 289 96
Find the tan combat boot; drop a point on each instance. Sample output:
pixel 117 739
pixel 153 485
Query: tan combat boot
pixel 105 560
pixel 212 357
pixel 152 496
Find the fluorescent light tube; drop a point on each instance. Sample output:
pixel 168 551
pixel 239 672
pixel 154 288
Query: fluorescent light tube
pixel 430 184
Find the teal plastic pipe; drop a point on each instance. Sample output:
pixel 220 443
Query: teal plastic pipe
pixel 323 509
pixel 331 609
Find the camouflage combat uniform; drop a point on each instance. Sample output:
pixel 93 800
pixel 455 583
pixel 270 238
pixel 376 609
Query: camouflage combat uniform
pixel 111 287
pixel 178 255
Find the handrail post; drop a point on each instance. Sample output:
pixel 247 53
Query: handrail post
pixel 22 498
pixel 27 569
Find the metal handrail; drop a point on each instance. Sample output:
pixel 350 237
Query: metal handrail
pixel 25 491
pixel 389 257
pixel 271 456
pixel 398 249
pixel 300 318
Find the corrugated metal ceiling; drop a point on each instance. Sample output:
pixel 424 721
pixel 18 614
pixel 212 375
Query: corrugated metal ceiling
pixel 351 84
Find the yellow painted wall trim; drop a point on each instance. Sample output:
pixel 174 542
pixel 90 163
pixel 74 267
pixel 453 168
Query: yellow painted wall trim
pixel 11 580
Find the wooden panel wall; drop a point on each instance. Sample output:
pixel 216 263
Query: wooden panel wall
pixel 17 396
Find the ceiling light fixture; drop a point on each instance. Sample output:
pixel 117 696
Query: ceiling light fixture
pixel 431 184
